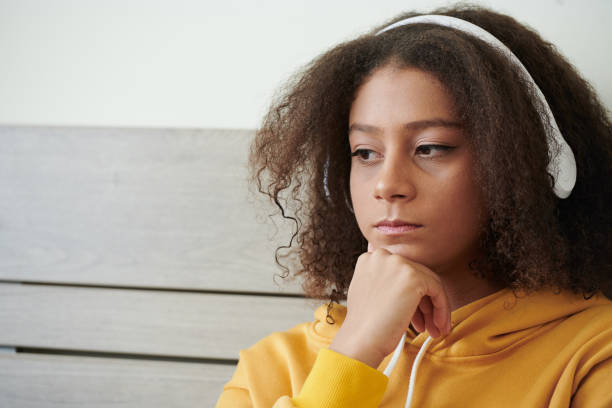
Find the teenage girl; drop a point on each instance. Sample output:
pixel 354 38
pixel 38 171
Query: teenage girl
pixel 449 176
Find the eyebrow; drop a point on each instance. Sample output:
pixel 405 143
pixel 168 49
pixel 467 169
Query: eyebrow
pixel 416 125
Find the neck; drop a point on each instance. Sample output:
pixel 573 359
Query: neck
pixel 462 293
pixel 462 287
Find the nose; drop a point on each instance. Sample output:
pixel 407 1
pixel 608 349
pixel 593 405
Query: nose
pixel 395 180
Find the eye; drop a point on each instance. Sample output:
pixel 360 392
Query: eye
pixel 429 150
pixel 362 154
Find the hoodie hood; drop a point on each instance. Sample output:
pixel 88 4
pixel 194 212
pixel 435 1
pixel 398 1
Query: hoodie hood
pixel 485 326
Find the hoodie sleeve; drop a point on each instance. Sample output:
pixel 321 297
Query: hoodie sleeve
pixel 334 381
pixel 594 390
pixel 340 381
pixel 240 398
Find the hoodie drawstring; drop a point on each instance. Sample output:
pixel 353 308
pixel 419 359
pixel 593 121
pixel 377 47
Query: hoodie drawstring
pixel 415 365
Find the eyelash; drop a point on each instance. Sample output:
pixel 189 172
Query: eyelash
pixel 357 152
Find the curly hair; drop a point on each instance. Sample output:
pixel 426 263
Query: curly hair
pixel 300 157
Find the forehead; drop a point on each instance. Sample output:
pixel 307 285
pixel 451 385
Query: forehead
pixel 393 96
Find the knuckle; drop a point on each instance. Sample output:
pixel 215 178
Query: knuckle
pixel 381 252
pixel 363 257
pixel 410 272
pixel 415 281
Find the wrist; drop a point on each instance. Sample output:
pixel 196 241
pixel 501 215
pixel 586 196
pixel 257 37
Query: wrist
pixel 357 351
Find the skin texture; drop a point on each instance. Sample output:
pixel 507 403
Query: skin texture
pixel 421 275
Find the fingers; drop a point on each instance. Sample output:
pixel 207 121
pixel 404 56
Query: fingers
pixel 435 305
pixel 424 319
pixel 433 311
pixel 441 311
pixel 426 308
pixel 418 321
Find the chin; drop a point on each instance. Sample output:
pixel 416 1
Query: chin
pixel 409 252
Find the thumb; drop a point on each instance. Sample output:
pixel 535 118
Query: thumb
pixel 370 247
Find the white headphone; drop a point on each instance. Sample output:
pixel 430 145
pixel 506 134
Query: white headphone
pixel 563 166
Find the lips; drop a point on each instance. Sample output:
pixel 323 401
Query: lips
pixel 392 227
pixel 396 223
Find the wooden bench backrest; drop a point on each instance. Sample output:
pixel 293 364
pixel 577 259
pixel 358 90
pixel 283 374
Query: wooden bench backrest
pixel 134 265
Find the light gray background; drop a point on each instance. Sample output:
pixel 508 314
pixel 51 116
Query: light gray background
pixel 180 63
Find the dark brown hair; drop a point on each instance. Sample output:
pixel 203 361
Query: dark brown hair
pixel 533 238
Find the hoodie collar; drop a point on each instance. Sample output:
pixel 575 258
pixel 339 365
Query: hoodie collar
pixel 487 325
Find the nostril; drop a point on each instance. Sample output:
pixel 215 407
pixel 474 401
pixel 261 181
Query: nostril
pixel 403 191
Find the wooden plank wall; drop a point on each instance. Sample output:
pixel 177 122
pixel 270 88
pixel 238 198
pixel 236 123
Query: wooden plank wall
pixel 134 265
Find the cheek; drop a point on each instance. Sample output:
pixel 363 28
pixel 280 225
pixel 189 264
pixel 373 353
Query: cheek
pixel 461 210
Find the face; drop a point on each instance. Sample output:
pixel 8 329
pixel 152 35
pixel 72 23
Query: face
pixel 411 163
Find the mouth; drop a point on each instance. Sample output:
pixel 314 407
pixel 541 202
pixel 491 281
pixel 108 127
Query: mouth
pixel 392 227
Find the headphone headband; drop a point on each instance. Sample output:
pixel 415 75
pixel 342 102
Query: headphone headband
pixel 563 165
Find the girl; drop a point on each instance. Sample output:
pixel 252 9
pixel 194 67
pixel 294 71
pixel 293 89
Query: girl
pixel 455 192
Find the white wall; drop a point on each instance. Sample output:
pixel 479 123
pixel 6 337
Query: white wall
pixel 181 63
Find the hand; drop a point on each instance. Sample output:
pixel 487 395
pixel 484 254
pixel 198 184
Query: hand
pixel 387 292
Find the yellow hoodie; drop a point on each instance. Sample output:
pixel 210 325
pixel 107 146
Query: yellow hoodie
pixel 542 350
